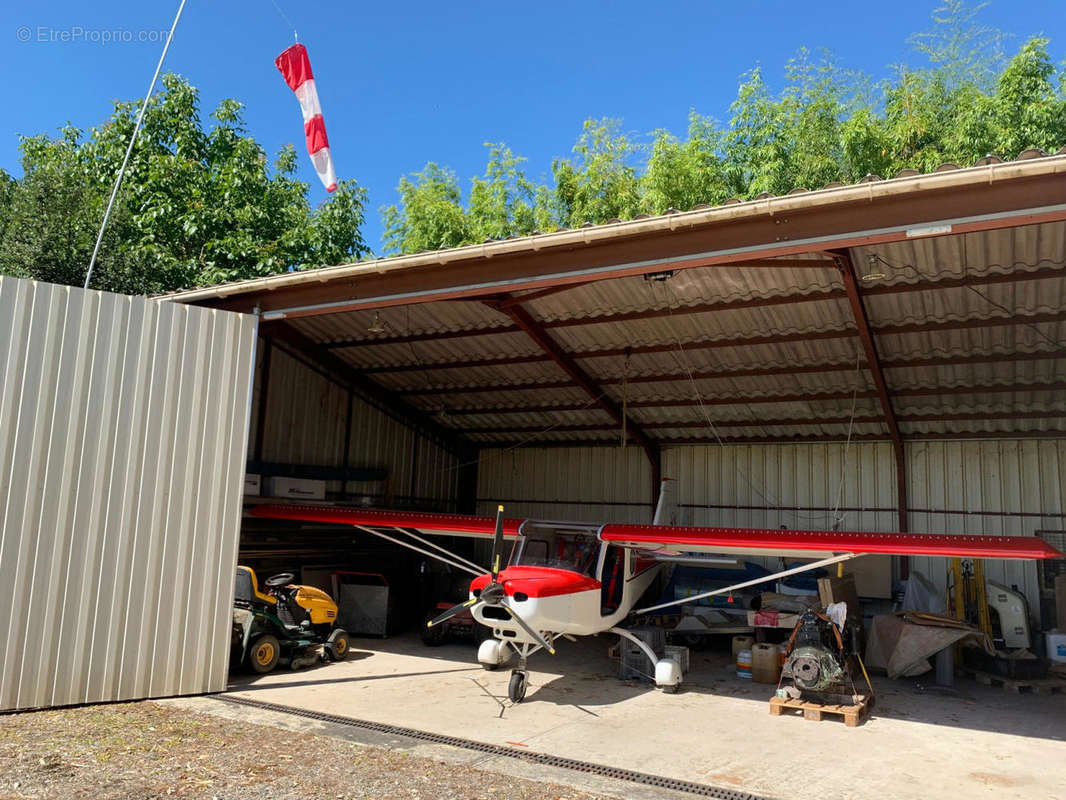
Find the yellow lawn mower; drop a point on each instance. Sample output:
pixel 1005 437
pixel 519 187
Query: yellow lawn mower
pixel 289 624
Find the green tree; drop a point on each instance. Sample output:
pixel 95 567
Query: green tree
pixel 756 149
pixel 682 174
pixel 8 185
pixel 196 206
pixel 430 214
pixel 1027 109
pixel 960 49
pixel 600 182
pixel 962 101
pixel 504 201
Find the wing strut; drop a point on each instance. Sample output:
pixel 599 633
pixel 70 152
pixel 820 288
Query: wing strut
pixel 410 546
pixel 449 553
pixel 783 574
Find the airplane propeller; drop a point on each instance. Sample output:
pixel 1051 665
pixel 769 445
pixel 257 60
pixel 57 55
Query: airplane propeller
pixel 493 594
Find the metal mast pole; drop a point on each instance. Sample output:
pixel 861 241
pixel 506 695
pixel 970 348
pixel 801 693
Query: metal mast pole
pixel 129 149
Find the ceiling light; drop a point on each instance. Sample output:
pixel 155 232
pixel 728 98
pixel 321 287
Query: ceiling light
pixel 377 326
pixel 873 269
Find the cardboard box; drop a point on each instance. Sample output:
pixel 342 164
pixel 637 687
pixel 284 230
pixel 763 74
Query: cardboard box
pixel 295 488
pixel 252 484
pixel 841 590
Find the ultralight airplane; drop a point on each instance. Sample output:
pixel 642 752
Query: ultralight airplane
pixel 568 579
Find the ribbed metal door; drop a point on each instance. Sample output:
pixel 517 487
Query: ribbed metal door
pixel 123 429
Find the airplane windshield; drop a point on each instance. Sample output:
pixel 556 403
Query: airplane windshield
pixel 577 550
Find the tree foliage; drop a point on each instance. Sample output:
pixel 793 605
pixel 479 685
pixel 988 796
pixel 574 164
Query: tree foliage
pixel 825 124
pixel 197 205
pixel 201 204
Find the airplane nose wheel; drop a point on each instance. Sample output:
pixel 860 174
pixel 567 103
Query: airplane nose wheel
pixel 516 689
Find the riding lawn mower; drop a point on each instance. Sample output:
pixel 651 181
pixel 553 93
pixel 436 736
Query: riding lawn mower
pixel 289 624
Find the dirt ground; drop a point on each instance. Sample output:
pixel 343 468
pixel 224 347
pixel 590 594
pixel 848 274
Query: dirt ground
pixel 144 750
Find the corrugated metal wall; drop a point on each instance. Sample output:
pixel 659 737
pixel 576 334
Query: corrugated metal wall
pixel 794 485
pixel 123 426
pixel 572 483
pixel 305 421
pixel 997 488
pixel 1006 487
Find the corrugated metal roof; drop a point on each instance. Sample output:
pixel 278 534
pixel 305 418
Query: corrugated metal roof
pixel 980 310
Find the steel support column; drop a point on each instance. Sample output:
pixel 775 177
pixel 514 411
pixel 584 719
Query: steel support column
pixel 873 363
pixel 535 331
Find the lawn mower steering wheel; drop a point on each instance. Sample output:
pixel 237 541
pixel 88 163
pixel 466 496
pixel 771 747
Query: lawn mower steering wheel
pixel 281 579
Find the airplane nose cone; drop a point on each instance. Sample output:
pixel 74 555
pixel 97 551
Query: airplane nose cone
pixel 523 582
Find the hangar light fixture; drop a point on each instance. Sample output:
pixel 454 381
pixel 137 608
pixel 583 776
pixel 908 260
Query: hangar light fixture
pixel 377 326
pixel 873 269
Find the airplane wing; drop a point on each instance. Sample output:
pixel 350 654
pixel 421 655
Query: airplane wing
pixel 666 540
pixel 673 540
pixel 437 524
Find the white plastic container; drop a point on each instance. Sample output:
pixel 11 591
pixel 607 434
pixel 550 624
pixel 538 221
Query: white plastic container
pixel 1056 645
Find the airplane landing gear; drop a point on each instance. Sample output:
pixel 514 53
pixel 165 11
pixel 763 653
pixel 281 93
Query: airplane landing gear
pixel 516 689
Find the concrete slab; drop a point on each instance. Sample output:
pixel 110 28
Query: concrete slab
pixel 980 742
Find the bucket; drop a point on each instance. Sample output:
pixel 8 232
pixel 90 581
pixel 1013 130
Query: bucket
pixel 741 643
pixel 765 663
pixel 744 664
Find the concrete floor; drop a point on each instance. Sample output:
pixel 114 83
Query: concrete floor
pixel 976 742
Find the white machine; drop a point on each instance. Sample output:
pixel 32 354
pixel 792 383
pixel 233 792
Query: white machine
pixel 1013 614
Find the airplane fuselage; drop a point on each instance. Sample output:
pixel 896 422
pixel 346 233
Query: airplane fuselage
pixel 565 601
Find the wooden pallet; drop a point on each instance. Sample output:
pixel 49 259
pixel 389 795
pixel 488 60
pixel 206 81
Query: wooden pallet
pixel 1019 685
pixel 854 715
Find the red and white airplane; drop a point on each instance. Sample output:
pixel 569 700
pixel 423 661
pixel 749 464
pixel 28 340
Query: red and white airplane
pixel 567 579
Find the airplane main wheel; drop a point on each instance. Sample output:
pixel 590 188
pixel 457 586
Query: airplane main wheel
pixel 516 689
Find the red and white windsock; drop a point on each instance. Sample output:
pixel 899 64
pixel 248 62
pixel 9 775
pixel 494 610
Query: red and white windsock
pixel 295 67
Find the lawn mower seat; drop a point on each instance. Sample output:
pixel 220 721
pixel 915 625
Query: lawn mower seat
pixel 246 589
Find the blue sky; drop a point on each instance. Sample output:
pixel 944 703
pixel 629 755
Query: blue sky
pixel 402 84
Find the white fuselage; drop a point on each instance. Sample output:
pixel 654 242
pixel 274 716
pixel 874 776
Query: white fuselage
pixel 579 612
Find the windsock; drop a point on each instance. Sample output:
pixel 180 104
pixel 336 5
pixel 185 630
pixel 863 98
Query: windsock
pixel 295 67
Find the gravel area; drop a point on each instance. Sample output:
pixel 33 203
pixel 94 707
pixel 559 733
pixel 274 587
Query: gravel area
pixel 144 750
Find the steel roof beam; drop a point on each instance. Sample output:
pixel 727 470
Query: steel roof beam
pixel 645 349
pixel 900 363
pixel 523 319
pixel 865 419
pixel 676 403
pixel 537 294
pixel 488 444
pixel 934 391
pixel 873 364
pixel 830 294
pixel 714 344
pixel 696 423
pixel 743 373
pixel 509 301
